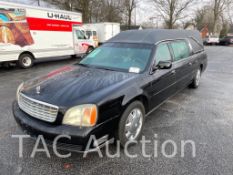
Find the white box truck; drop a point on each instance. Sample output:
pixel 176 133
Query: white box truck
pixel 28 33
pixel 105 30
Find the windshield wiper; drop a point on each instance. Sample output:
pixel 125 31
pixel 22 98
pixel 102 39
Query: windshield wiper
pixel 104 68
pixel 84 65
pixel 96 67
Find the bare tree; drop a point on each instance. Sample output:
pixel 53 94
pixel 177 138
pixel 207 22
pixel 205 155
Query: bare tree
pixel 93 10
pixel 225 28
pixel 199 18
pixel 129 6
pixel 204 18
pixel 219 6
pixel 62 4
pixel 112 11
pixel 230 13
pixel 171 10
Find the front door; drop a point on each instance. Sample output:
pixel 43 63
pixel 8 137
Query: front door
pixel 163 80
pixel 81 43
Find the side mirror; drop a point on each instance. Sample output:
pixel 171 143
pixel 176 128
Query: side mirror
pixel 161 65
pixel 164 65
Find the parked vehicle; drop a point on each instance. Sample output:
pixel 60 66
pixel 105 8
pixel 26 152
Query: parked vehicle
pixel 226 40
pixel 109 93
pixel 91 34
pixel 28 33
pixel 211 40
pixel 105 31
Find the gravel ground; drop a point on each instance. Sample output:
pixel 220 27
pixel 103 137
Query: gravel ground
pixel 204 116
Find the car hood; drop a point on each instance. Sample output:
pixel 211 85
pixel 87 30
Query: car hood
pixel 70 85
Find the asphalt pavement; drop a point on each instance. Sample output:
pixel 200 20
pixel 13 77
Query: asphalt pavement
pixel 204 115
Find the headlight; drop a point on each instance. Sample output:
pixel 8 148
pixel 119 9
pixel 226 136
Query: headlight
pixel 83 115
pixel 18 90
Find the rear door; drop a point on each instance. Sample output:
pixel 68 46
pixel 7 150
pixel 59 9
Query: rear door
pixel 163 80
pixel 183 63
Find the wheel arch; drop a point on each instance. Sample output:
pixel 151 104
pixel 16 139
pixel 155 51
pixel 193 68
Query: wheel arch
pixel 142 98
pixel 27 52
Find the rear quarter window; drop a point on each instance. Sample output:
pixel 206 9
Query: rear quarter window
pixel 197 47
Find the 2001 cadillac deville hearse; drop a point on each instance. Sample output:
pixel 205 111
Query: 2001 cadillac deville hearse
pixel 112 89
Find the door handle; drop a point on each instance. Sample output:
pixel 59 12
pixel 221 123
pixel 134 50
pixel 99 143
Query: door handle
pixel 173 72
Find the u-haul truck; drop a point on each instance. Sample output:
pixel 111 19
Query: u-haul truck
pixel 28 33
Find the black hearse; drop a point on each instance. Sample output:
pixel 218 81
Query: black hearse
pixel 109 93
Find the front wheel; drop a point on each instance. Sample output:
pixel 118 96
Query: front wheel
pixel 131 123
pixel 25 61
pixel 89 50
pixel 196 81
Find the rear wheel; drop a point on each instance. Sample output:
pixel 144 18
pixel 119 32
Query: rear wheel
pixel 73 56
pixel 25 61
pixel 196 81
pixel 131 123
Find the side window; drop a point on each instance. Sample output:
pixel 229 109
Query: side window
pixel 80 35
pixel 163 53
pixel 180 49
pixel 195 45
pixel 88 34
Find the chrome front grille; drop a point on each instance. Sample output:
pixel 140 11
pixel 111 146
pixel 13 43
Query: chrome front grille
pixel 37 109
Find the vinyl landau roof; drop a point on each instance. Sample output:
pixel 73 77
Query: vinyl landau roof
pixel 152 36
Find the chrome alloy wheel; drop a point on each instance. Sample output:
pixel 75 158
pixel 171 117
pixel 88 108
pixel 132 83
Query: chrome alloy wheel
pixel 133 124
pixel 26 61
pixel 198 77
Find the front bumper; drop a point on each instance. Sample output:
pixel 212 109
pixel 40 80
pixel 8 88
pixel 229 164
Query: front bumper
pixel 79 135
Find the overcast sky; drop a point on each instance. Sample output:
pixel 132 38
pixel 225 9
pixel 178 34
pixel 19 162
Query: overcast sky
pixel 146 10
pixel 143 13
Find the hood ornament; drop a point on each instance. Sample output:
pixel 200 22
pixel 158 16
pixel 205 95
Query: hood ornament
pixel 38 88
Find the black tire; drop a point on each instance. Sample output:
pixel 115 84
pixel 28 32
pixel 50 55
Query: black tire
pixel 121 132
pixel 89 50
pixel 73 56
pixel 196 81
pixel 26 61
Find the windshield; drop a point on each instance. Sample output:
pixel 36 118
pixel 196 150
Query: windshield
pixel 89 34
pixel 117 56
